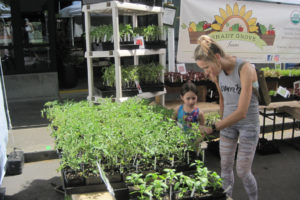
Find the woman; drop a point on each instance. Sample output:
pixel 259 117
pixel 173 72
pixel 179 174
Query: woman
pixel 29 30
pixel 235 80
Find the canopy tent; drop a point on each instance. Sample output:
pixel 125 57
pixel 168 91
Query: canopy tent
pixel 295 2
pixel 72 10
pixel 75 10
pixel 4 11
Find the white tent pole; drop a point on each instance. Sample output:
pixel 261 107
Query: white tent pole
pixel 171 48
pixel 72 31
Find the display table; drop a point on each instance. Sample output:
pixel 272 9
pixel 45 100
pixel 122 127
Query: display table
pixel 284 109
pixel 290 107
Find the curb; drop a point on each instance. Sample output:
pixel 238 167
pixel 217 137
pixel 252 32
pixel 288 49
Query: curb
pixel 40 156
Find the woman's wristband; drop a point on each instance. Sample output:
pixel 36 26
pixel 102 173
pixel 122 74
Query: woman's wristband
pixel 213 126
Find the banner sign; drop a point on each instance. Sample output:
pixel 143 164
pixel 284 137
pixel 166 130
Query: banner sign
pixel 254 31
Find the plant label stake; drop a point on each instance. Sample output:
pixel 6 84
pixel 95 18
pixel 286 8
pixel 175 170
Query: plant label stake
pixel 134 160
pixel 137 166
pixel 170 191
pixel 155 163
pixel 105 180
pixel 138 86
pixel 193 191
pixel 173 161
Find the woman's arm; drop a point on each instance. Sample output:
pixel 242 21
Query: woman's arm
pixel 221 100
pixel 246 77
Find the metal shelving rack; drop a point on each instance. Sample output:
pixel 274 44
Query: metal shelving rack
pixel 116 8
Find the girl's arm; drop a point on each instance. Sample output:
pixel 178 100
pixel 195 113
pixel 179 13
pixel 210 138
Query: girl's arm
pixel 246 77
pixel 201 118
pixel 174 117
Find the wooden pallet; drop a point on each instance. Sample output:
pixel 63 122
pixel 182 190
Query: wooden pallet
pixel 93 196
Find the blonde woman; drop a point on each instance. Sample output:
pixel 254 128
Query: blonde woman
pixel 235 80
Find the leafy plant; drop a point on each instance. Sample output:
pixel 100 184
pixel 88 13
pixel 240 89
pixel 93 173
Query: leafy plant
pixel 201 182
pixel 272 92
pixel 211 118
pixel 102 33
pixel 148 73
pixel 279 72
pixel 86 133
pixel 152 32
pixel 125 32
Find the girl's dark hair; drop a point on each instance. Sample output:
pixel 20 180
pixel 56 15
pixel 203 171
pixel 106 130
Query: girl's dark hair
pixel 188 86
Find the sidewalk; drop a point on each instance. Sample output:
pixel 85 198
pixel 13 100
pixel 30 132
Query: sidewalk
pixel 277 174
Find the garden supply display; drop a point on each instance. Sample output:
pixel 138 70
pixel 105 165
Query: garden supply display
pixel 124 137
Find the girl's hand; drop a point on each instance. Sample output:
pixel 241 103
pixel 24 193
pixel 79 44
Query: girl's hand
pixel 205 129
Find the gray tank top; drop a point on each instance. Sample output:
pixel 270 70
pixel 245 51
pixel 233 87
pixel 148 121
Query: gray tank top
pixel 230 86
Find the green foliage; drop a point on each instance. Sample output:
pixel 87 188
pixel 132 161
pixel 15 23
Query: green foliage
pixel 211 118
pixel 272 92
pixel 125 30
pixel 150 32
pixel 280 72
pixel 119 134
pixel 148 73
pixel 102 33
pixel 201 182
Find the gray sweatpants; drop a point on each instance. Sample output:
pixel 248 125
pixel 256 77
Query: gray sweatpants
pixel 245 155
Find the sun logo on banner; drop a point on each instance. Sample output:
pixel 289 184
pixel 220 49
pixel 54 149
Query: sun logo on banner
pixel 233 23
pixel 235 20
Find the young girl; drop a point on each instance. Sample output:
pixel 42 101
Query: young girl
pixel 188 112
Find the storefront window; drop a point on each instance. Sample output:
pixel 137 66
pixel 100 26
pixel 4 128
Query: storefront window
pixel 36 44
pixel 24 36
pixel 6 38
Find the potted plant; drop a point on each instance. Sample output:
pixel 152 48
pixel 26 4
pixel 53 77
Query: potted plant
pixel 89 134
pixel 288 77
pixel 202 184
pixel 272 77
pixel 102 37
pixel 129 76
pixel 149 77
pixel 126 37
pixel 152 35
pixel 176 79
